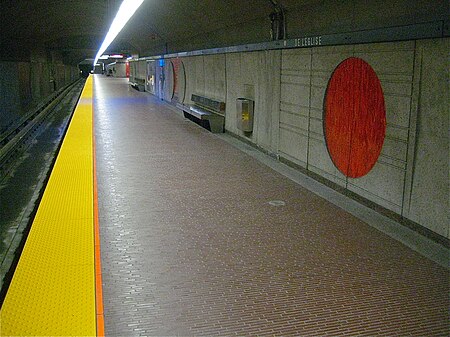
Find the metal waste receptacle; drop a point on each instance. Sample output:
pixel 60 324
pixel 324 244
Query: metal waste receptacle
pixel 244 108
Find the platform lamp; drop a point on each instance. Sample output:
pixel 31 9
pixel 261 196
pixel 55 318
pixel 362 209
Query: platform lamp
pixel 126 11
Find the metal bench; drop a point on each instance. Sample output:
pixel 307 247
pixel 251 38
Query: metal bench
pixel 138 84
pixel 207 112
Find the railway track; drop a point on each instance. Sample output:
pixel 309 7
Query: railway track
pixel 17 139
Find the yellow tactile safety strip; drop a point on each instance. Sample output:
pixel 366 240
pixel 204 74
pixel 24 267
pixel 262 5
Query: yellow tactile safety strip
pixel 52 292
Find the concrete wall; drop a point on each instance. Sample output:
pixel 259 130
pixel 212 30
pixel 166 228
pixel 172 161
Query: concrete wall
pixel 204 75
pixel 23 84
pixel 410 177
pixel 305 76
pixel 427 185
pixel 254 76
pixel 138 71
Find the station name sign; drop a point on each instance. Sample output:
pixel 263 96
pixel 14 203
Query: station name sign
pixel 308 41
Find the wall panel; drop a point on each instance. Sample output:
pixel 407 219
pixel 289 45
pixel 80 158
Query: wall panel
pixel 427 197
pixel 199 75
pixel 242 82
pixel 295 98
pixel 394 65
pixel 215 86
pixel 269 94
pixel 189 68
pixel 324 60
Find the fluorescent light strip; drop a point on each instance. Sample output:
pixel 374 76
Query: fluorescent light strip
pixel 126 11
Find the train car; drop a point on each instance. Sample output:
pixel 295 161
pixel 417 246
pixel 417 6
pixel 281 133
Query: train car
pixel 85 67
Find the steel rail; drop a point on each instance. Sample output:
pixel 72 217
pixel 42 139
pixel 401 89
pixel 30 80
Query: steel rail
pixel 15 137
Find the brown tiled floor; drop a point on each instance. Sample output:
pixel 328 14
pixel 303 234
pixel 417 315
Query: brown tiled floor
pixel 191 245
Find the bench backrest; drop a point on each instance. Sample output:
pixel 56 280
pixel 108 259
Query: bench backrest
pixel 208 103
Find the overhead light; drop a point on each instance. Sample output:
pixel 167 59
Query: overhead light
pixel 126 11
pixel 104 57
pixel 117 56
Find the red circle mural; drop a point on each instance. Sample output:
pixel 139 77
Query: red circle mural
pixel 355 117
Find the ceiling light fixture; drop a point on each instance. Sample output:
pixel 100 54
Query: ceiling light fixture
pixel 126 11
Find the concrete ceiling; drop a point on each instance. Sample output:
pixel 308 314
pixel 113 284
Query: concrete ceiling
pixel 77 27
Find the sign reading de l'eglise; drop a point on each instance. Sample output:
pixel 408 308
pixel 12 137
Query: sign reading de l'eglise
pixel 308 41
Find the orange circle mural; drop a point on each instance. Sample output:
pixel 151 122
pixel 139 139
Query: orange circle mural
pixel 355 117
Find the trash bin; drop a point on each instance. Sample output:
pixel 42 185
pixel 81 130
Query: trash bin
pixel 244 108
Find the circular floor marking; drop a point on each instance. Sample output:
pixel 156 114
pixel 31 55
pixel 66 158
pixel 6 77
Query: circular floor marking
pixel 277 203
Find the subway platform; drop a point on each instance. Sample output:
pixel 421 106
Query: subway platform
pixel 197 237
